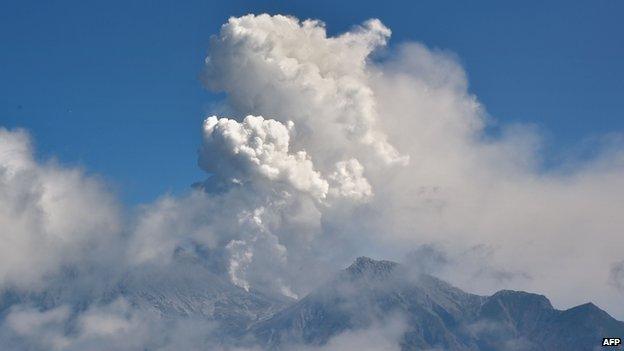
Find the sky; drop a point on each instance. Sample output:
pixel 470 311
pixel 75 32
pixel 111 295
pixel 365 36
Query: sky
pixel 447 138
pixel 113 87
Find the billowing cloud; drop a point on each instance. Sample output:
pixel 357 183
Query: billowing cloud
pixel 480 198
pixel 258 148
pixel 348 181
pixel 289 70
pixel 50 216
pixel 466 189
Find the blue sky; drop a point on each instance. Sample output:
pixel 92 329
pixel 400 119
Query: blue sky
pixel 113 86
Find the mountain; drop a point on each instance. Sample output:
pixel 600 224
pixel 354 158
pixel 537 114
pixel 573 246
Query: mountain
pixel 436 315
pixel 183 289
pixel 191 290
pixel 425 312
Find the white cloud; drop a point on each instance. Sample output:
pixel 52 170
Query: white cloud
pixel 258 148
pixel 348 181
pixel 466 190
pixel 292 71
pixel 50 216
pixel 116 325
pixel 461 189
pixel 386 336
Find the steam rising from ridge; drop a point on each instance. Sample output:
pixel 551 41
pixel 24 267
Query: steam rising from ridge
pixel 422 170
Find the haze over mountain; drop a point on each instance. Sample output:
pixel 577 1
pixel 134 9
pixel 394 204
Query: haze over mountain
pixel 433 314
pixel 401 308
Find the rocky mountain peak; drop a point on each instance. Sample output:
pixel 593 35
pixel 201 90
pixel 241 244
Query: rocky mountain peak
pixel 366 266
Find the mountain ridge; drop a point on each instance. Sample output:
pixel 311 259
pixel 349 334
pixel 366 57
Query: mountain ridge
pixel 428 313
pixel 437 315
